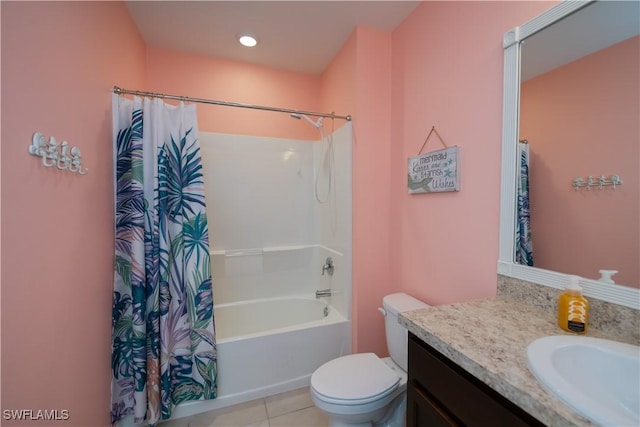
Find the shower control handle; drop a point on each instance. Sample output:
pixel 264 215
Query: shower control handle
pixel 328 266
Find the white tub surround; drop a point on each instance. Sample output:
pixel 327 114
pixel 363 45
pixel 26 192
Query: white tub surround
pixel 270 238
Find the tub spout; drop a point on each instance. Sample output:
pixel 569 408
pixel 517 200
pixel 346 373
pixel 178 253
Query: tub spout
pixel 323 293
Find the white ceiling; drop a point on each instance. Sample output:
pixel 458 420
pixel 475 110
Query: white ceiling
pixel 301 36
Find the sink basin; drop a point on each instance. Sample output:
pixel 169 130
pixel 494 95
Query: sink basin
pixel 598 378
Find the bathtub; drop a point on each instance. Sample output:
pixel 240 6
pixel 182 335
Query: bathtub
pixel 271 345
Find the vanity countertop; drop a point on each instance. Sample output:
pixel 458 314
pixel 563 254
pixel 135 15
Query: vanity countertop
pixel 489 338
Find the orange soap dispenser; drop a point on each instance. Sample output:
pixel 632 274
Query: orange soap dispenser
pixel 573 308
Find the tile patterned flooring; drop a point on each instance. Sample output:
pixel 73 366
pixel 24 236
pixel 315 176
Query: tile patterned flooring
pixel 290 409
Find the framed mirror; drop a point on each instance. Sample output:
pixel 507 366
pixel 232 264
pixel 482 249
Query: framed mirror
pixel 562 41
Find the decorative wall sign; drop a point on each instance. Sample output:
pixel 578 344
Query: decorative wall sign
pixel 434 172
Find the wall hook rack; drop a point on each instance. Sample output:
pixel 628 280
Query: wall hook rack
pixel 58 155
pixel 598 182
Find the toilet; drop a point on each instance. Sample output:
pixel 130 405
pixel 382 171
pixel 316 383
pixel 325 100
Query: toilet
pixel 362 389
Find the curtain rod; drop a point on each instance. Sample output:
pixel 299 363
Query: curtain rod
pixel 120 90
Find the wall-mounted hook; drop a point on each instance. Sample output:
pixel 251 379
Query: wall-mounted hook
pixel 56 155
pixel 615 180
pixel 63 160
pixel 51 153
pixel 601 182
pixel 38 144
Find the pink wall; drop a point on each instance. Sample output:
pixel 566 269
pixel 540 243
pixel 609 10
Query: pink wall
pixel 582 119
pixel 447 72
pixel 59 62
pixel 349 81
pixel 371 188
pixel 198 76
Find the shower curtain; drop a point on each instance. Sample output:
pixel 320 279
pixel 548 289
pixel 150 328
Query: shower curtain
pixel 524 247
pixel 163 337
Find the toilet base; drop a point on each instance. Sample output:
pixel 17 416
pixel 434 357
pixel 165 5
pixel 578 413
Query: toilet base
pixel 393 415
pixel 354 420
pixel 396 416
pixel 340 424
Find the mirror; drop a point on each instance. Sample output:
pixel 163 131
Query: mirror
pixel 537 51
pixel 579 98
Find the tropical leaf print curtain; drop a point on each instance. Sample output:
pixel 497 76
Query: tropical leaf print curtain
pixel 524 246
pixel 163 338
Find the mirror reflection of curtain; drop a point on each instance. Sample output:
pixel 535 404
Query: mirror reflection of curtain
pixel 524 246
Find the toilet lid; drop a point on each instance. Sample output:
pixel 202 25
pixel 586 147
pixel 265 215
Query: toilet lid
pixel 357 377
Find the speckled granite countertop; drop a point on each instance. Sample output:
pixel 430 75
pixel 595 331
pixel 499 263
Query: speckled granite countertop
pixel 488 338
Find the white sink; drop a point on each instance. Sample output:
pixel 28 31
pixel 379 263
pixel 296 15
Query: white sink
pixel 598 378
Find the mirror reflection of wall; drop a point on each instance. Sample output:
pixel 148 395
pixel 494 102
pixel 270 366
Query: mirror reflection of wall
pixel 582 119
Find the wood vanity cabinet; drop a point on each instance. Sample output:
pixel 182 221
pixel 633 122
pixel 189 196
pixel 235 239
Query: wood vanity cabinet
pixel 441 393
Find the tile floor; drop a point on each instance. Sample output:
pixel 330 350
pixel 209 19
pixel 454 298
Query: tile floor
pixel 290 409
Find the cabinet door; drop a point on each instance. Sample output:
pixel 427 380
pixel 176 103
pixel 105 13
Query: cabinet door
pixel 422 411
pixel 465 399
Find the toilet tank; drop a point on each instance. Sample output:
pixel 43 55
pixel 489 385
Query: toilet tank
pixel 397 340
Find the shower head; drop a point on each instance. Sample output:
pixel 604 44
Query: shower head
pixel 317 124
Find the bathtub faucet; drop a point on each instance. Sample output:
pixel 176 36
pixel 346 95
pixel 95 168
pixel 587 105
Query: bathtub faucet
pixel 323 293
pixel 328 266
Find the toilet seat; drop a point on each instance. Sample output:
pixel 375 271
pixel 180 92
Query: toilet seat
pixel 356 379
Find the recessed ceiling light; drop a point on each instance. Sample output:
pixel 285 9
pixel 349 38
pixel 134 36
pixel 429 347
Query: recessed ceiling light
pixel 247 39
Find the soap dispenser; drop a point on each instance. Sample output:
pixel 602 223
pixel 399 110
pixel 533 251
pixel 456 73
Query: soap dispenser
pixel 573 308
